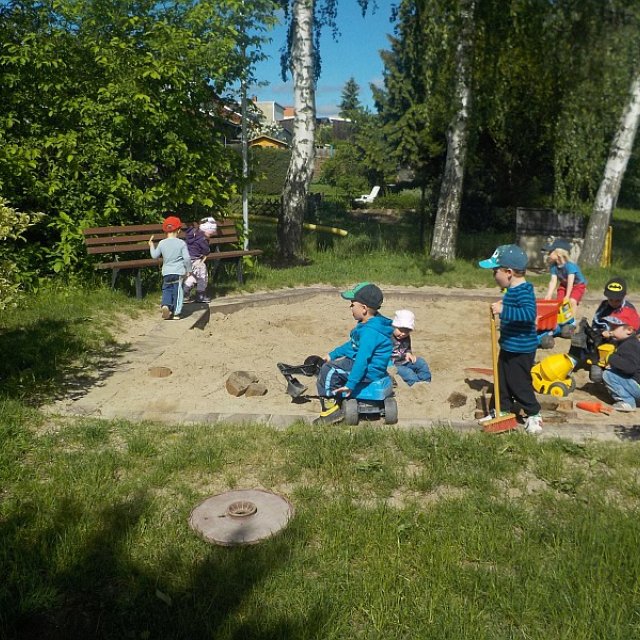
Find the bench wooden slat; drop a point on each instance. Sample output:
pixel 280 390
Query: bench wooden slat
pixel 150 262
pixel 119 246
pixel 225 235
pixel 144 228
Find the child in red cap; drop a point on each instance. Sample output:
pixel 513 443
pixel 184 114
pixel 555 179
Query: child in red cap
pixel 176 264
pixel 622 374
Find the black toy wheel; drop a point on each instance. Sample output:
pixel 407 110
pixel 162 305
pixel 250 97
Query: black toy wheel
pixel 390 410
pixel 351 411
pixel 572 385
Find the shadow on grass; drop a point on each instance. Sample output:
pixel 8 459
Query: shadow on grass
pixel 104 592
pixel 49 359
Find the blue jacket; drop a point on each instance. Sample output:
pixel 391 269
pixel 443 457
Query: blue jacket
pixel 370 348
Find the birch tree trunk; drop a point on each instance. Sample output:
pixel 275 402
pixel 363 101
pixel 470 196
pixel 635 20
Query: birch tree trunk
pixel 445 232
pixel 607 195
pixel 300 172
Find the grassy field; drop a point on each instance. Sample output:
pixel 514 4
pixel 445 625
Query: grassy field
pixel 397 534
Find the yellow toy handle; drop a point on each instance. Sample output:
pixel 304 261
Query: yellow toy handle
pixel 494 362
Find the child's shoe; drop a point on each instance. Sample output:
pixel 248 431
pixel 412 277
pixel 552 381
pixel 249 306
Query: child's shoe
pixel 332 412
pixel 166 312
pixel 203 297
pixel 533 425
pixel 623 406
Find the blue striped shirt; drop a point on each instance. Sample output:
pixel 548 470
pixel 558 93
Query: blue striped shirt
pixel 518 320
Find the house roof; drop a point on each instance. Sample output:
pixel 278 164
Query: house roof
pixel 274 141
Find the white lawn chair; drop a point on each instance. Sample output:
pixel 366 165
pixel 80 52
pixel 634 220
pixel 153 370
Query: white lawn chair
pixel 368 198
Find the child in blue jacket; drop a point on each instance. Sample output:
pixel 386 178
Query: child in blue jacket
pixel 362 359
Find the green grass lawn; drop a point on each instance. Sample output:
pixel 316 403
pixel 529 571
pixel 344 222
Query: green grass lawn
pixel 397 534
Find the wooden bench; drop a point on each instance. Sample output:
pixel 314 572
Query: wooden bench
pixel 127 247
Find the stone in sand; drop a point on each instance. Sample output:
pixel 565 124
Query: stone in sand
pixel 238 382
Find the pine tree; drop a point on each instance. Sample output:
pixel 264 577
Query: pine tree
pixel 350 101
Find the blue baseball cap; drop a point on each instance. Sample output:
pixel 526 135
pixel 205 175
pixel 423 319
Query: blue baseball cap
pixel 509 256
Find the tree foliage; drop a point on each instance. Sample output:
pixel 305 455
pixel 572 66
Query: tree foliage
pixel 13 225
pixel 550 80
pixel 111 111
pixel 350 99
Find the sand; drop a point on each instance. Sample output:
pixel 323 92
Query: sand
pixel 254 332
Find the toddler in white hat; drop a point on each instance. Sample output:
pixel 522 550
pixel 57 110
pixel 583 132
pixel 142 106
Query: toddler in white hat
pixel 197 239
pixel 410 368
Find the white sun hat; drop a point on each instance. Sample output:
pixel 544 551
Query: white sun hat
pixel 404 319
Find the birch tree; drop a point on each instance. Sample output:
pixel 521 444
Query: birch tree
pixel 302 60
pixel 294 195
pixel 607 195
pixel 445 232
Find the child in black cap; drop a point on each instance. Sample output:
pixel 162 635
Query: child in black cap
pixel 615 299
pixel 360 360
pixel 615 294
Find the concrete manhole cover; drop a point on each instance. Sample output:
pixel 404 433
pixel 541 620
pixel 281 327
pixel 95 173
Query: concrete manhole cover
pixel 241 517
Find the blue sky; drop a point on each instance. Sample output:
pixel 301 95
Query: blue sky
pixel 355 53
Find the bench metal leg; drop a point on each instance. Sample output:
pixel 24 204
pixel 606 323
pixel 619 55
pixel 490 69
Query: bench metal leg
pixel 114 277
pixel 138 285
pixel 239 270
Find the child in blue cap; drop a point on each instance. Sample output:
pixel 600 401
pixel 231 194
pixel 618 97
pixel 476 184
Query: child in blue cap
pixel 518 337
pixel 361 359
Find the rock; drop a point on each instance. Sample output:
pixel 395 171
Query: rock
pixel 456 400
pixel 238 382
pixel 256 389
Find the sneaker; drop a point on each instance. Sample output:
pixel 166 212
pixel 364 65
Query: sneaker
pixel 166 312
pixel 533 425
pixel 331 415
pixel 203 297
pixel 176 317
pixel 623 406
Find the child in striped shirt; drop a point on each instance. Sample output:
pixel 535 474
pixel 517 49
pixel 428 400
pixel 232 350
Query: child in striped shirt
pixel 518 337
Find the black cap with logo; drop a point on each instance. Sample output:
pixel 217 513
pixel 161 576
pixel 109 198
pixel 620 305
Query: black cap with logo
pixel 615 289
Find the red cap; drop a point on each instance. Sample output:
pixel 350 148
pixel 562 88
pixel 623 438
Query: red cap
pixel 627 316
pixel 172 223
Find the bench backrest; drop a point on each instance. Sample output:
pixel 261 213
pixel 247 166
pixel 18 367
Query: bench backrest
pixel 129 238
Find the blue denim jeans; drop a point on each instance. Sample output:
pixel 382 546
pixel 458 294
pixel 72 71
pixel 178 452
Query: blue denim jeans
pixel 412 372
pixel 172 293
pixel 621 388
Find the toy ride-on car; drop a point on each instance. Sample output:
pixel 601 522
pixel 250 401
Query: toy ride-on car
pixel 375 398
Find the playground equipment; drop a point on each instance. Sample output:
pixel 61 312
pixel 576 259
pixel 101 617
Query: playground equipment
pixel 374 398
